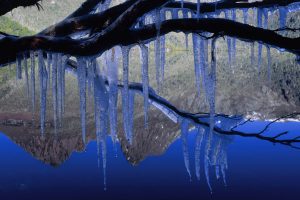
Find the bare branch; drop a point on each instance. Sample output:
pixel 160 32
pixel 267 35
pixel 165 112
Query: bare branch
pixel 8 5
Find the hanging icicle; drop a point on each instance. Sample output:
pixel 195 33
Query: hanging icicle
pixel 233 54
pixel 158 20
pixel 266 19
pixel 198 9
pixel 131 116
pixel 206 158
pixel 259 24
pixel 32 77
pixel 185 15
pixel 63 72
pixel 245 15
pixel 59 88
pixel 101 119
pixel 203 63
pixel 210 85
pixel 104 153
pixel 196 51
pixel 184 139
pixel 229 43
pixel 157 63
pixel 174 13
pixel 43 90
pixel 112 75
pixel 199 139
pixel 54 90
pixel 49 61
pixel 282 16
pixel 19 67
pixel 269 62
pixel 81 71
pixel 252 53
pixel 145 78
pixel 125 91
pixel 26 77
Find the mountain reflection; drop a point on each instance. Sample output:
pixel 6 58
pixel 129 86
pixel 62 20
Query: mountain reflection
pixel 54 149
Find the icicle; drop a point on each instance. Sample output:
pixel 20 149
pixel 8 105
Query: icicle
pixel 157 62
pixel 131 116
pixel 125 92
pixel 259 57
pixel 198 9
pixel 259 17
pixel 145 78
pixel 223 166
pixel 54 89
pixel 245 15
pixel 59 88
pixel 184 138
pixel 101 118
pixel 199 138
pixel 282 16
pixel 206 157
pixel 43 90
pixel 162 57
pixel 269 63
pixel 19 67
pixel 98 91
pixel 32 77
pixel 233 13
pixel 157 21
pixel 26 78
pixel 216 152
pixel 185 15
pixel 196 51
pixel 203 63
pixel 104 162
pixel 259 24
pixel 63 72
pixel 113 91
pixel 252 53
pixel 90 76
pixel 81 71
pixel 211 88
pixel 49 61
pixel 266 17
pixel 162 43
pixel 158 56
pixel 217 169
pixel 233 53
pixel 182 2
pixel 174 13
pixel 210 85
pixel 228 41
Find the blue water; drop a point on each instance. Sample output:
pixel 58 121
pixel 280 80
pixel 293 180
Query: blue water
pixel 257 170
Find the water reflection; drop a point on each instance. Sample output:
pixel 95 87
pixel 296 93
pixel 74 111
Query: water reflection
pixel 196 147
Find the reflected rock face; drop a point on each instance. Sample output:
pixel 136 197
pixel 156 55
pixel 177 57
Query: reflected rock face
pixel 49 149
pixel 153 141
pixel 55 149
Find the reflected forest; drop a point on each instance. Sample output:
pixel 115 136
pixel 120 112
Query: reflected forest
pixel 149 99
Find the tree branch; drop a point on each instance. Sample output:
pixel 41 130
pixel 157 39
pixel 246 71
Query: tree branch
pixel 202 119
pixel 97 44
pixel 8 5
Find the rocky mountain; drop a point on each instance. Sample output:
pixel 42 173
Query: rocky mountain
pixel 53 11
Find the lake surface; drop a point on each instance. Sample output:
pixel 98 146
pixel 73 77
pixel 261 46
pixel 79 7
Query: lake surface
pixel 257 170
